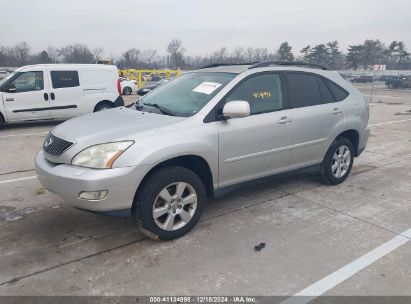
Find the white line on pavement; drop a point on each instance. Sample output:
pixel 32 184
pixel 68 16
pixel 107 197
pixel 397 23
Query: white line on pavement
pixel 388 122
pixel 311 292
pixel 24 134
pixel 17 179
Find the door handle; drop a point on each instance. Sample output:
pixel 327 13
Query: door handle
pixel 52 96
pixel 9 99
pixel 284 120
pixel 46 96
pixel 336 111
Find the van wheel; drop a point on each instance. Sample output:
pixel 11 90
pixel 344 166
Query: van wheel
pixel 338 161
pixel 1 121
pixel 170 203
pixel 127 91
pixel 103 106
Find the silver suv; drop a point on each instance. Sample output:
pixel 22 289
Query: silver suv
pixel 159 159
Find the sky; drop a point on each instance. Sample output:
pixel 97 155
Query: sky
pixel 202 25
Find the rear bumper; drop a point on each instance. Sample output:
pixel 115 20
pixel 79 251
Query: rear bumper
pixel 119 102
pixel 363 140
pixel 68 181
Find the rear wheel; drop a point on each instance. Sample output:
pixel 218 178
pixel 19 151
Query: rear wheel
pixel 170 203
pixel 1 120
pixel 338 161
pixel 103 106
pixel 127 91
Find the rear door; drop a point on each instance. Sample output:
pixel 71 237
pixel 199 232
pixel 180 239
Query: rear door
pixel 25 96
pixel 256 145
pixel 66 94
pixel 315 115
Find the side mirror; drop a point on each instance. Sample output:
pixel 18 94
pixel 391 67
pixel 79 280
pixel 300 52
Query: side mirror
pixel 236 109
pixel 10 89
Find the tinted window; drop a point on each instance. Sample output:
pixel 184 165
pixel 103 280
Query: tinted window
pixel 263 93
pixel 303 90
pixel 64 79
pixel 339 93
pixel 28 81
pixel 326 94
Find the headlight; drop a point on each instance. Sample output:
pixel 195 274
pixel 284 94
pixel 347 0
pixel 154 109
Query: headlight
pixel 101 156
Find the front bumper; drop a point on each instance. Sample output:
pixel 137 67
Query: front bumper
pixel 68 181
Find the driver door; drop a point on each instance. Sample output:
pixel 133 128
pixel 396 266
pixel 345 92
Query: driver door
pixel 25 97
pixel 257 145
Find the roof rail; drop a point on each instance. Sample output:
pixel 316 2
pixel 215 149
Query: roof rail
pixel 214 65
pixel 287 63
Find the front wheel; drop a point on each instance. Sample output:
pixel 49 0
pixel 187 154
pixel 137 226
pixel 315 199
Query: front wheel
pixel 169 203
pixel 338 161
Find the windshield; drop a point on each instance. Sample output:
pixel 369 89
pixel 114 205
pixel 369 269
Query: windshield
pixel 187 94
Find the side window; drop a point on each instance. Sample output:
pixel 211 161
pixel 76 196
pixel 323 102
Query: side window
pixel 338 92
pixel 303 90
pixel 263 93
pixel 64 79
pixel 28 81
pixel 326 94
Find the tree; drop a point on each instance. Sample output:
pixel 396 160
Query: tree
pixel 44 57
pixel 354 56
pixel 334 53
pixel 76 53
pixel 402 53
pixel 372 52
pixel 305 52
pixel 21 53
pixel 53 54
pixel 284 52
pixel 176 51
pixel 319 55
pixel 149 58
pixel 97 53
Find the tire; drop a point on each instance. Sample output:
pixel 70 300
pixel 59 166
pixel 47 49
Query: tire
pixel 103 106
pixel 127 91
pixel 1 121
pixel 159 194
pixel 335 168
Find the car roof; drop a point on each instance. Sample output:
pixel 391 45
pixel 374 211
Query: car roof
pixel 267 65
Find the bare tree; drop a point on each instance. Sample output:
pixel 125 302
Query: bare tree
pixel 53 54
pixel 76 53
pixel 97 53
pixel 21 52
pixel 176 51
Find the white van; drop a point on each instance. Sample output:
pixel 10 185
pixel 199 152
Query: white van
pixel 58 91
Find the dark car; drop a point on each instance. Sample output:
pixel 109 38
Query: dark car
pixel 362 79
pixel 399 82
pixel 150 87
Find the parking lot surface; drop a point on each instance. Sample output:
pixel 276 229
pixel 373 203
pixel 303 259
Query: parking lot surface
pixel 350 239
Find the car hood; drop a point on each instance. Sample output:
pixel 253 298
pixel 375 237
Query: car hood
pixel 114 124
pixel 108 126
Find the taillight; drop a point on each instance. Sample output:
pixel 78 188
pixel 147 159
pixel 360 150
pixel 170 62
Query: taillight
pixel 118 86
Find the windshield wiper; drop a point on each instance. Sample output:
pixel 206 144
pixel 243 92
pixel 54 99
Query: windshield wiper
pixel 162 109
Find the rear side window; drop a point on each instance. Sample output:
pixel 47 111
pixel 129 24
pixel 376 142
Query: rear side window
pixel 64 79
pixel 326 94
pixel 338 92
pixel 303 90
pixel 263 93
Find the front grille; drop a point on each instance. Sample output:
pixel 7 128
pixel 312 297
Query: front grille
pixel 56 146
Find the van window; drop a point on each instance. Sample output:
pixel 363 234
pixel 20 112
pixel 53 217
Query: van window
pixel 28 81
pixel 263 93
pixel 64 79
pixel 303 90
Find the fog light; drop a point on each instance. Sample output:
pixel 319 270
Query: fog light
pixel 93 195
